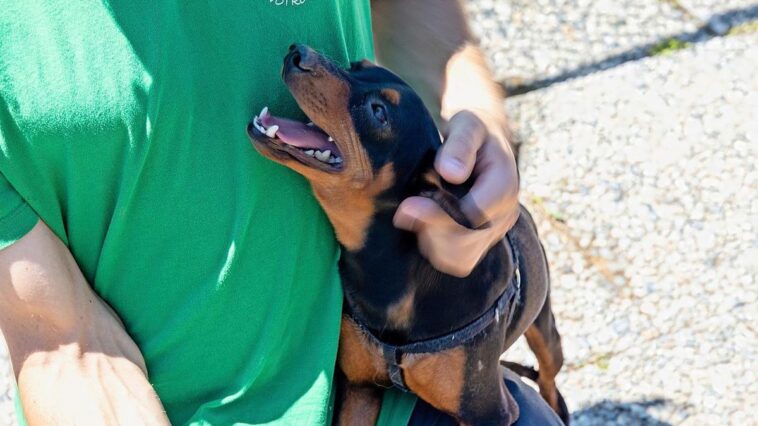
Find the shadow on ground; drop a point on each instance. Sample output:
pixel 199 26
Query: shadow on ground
pixel 609 412
pixel 717 25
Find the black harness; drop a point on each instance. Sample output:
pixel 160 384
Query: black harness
pixel 503 306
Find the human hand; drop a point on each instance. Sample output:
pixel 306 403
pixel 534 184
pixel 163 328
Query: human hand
pixel 475 142
pixel 74 361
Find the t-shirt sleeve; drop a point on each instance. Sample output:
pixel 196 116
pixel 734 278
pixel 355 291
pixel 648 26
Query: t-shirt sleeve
pixel 16 217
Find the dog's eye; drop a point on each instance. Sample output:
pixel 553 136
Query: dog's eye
pixel 380 113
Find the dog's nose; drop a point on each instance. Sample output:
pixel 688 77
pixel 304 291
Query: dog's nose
pixel 301 57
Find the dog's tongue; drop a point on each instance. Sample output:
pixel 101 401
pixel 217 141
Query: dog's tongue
pixel 298 134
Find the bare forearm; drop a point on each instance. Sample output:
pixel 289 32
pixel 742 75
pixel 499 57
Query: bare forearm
pixel 73 360
pixel 428 43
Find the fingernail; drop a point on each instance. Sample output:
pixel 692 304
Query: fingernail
pixel 453 165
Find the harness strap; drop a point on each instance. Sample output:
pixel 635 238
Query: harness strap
pixel 504 305
pixel 393 357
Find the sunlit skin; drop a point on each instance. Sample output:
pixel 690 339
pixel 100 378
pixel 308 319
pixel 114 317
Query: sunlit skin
pixel 440 61
pixel 74 362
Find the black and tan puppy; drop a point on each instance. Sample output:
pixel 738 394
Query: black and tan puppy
pixel 370 145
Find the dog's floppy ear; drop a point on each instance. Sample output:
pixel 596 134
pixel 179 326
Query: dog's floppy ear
pixel 447 195
pixel 447 200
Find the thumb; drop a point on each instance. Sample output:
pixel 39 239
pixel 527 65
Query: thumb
pixel 415 212
pixel 457 155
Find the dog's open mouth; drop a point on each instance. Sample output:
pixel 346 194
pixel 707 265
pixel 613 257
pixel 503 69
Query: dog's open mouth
pixel 306 143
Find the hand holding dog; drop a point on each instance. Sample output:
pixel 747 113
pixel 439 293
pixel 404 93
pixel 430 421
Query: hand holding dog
pixel 443 63
pixel 475 143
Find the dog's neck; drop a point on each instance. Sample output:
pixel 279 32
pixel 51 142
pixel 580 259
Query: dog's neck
pixel 381 267
pixel 396 292
pixel 354 209
pixel 350 209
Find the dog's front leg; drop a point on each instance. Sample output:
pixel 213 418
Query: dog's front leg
pixel 361 369
pixel 359 405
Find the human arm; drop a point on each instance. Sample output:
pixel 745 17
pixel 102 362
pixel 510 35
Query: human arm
pixel 73 360
pixel 428 43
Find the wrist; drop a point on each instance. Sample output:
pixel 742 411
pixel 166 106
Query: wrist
pixel 66 385
pixel 469 85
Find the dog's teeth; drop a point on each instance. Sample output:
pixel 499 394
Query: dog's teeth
pixel 332 160
pixel 258 126
pixel 271 131
pixel 264 112
pixel 310 124
pixel 323 155
pixel 338 160
pixel 331 139
pixel 309 152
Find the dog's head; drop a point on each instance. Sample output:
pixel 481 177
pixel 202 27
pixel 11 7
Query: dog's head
pixel 369 136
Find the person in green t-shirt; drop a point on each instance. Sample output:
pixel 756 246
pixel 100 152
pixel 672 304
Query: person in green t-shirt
pixel 154 267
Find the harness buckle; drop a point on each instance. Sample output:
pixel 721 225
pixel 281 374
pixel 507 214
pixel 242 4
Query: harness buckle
pixel 393 356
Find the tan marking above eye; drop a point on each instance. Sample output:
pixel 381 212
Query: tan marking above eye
pixel 391 95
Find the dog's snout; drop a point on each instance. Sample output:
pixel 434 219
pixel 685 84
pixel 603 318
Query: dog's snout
pixel 301 58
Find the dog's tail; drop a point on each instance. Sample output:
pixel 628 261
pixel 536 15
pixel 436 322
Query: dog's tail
pixel 522 370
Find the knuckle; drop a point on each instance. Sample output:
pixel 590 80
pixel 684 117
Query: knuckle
pixel 462 271
pixel 451 268
pixel 469 116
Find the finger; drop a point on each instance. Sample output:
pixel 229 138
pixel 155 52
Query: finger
pixel 457 156
pixel 457 252
pixel 455 269
pixel 414 212
pixel 495 191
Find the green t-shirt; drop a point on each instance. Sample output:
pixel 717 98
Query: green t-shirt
pixel 122 126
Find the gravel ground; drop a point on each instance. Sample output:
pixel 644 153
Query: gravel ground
pixel 537 39
pixel 644 182
pixel 704 10
pixel 7 416
pixel 539 42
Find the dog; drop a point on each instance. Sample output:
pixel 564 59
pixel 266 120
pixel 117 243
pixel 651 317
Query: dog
pixel 371 144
